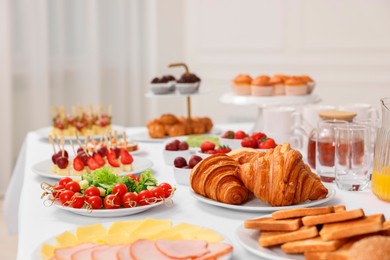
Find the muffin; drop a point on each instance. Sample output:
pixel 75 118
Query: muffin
pixel 242 85
pixel 295 86
pixel 278 82
pixel 309 82
pixel 261 86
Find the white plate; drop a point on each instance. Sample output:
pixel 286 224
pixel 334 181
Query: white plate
pixel 144 136
pixel 44 132
pixel 107 213
pixel 256 205
pixel 248 238
pixel 44 168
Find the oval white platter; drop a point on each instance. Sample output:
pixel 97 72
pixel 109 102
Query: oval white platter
pixel 107 213
pixel 256 205
pixel 43 168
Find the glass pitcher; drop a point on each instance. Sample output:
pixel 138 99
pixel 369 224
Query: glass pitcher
pixel 381 173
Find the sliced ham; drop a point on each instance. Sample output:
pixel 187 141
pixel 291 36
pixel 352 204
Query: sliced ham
pixel 86 254
pixel 67 252
pixel 182 249
pixel 106 253
pixel 216 250
pixel 124 253
pixel 145 250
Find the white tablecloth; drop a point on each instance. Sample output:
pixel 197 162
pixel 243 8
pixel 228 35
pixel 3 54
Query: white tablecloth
pixel 36 223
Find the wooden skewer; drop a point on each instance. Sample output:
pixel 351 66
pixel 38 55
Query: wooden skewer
pixel 109 110
pixel 80 144
pixel 124 137
pixel 63 145
pixel 71 144
pixel 52 143
pixel 180 65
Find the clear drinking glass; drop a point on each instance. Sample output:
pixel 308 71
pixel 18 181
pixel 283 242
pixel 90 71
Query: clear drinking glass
pixel 352 160
pixel 325 149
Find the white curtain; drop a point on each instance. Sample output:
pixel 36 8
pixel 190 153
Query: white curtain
pixel 72 52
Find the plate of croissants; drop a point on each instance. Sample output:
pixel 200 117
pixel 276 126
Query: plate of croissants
pixel 168 125
pixel 249 180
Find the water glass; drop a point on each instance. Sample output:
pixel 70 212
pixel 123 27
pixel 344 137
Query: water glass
pixel 325 149
pixel 352 160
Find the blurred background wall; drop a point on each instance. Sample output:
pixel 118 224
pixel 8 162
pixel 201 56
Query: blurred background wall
pixel 105 52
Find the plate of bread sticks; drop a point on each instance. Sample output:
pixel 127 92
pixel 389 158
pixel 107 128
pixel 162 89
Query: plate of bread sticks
pixel 329 232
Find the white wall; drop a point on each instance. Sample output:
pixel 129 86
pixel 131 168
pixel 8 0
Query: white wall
pixel 343 45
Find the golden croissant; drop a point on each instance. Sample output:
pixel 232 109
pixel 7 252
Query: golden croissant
pixel 278 177
pixel 217 178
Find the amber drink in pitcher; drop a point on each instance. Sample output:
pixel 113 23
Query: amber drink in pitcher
pixel 381 173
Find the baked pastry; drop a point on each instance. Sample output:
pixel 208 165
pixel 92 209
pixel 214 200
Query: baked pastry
pixel 242 84
pixel 280 177
pixel 309 82
pixel 278 82
pixel 374 248
pixel 216 177
pixel 261 86
pixel 295 86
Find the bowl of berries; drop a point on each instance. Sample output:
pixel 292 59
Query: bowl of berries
pixel 232 139
pixel 182 169
pixel 175 148
pixel 209 148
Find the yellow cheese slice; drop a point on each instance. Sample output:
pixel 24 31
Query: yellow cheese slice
pixel 124 227
pixel 47 251
pixel 208 235
pixel 149 228
pixel 91 233
pixel 115 239
pixel 66 239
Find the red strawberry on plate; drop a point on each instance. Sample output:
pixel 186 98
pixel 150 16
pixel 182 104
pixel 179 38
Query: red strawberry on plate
pixel 111 157
pixel 240 134
pixel 78 164
pixel 249 142
pixel 126 157
pixel 99 159
pixel 258 136
pixel 267 143
pixel 206 146
pixel 223 149
pixel 92 164
pixel 228 134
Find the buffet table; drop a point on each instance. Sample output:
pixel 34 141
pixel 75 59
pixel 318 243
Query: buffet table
pixel 35 223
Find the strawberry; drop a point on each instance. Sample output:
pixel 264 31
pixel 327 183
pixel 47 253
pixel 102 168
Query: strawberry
pixel 210 152
pixel 240 135
pixel 111 157
pixel 223 149
pixel 267 143
pixel 228 134
pixel 126 157
pixel 78 164
pixel 258 136
pixel 92 164
pixel 249 142
pixel 99 159
pixel 206 146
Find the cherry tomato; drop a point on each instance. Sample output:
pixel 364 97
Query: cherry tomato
pixel 112 202
pixel 133 177
pixel 119 189
pixel 57 190
pixel 95 202
pixel 73 186
pixel 158 192
pixel 167 189
pixel 77 200
pixel 129 200
pixel 66 196
pixel 145 197
pixel 91 191
pixel 64 181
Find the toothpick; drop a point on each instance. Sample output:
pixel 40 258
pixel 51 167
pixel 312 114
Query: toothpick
pixel 110 110
pixel 63 145
pixel 52 143
pixel 71 143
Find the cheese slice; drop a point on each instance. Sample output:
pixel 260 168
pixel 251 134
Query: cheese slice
pixel 149 228
pixel 124 227
pixel 47 251
pixel 91 233
pixel 208 235
pixel 66 239
pixel 115 239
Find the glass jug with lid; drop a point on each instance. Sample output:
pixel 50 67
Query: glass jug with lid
pixel 381 173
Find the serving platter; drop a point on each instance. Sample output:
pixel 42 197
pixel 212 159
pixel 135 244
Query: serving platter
pixel 248 238
pixel 44 168
pixel 256 205
pixel 143 136
pixel 44 133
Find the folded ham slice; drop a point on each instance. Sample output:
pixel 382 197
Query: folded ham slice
pixel 124 253
pixel 182 249
pixel 86 254
pixel 145 250
pixel 108 252
pixel 67 252
pixel 216 250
